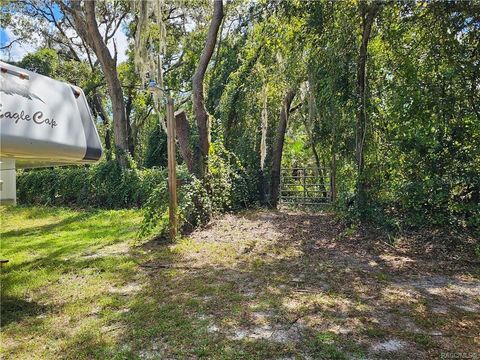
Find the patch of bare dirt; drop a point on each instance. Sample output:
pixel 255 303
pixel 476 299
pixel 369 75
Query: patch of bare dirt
pixel 301 274
pixel 119 249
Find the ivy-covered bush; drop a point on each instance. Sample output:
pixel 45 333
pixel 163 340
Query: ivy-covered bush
pixel 156 148
pixel 225 187
pixel 106 185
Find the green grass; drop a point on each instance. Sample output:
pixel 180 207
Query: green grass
pixel 383 277
pixel 327 345
pixel 55 294
pixel 81 285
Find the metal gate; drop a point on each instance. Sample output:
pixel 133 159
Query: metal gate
pixel 305 186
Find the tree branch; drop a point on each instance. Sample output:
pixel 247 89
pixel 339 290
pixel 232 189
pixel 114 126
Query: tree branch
pixel 12 42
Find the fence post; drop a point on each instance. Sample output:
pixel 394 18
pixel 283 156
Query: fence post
pixel 304 187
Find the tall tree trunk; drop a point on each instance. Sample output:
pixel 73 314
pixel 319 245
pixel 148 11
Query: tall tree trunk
pixel 199 109
pixel 312 116
pixel 368 14
pixel 87 27
pixel 183 136
pixel 278 148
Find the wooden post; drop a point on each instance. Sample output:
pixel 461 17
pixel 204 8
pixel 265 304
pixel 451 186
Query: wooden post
pixel 172 171
pixel 304 187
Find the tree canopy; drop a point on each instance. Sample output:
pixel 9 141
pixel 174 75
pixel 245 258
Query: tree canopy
pixel 381 98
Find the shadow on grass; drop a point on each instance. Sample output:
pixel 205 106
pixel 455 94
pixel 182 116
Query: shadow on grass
pixel 49 227
pixel 212 312
pixel 15 310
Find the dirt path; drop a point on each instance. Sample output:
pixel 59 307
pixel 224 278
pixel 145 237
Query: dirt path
pixel 296 285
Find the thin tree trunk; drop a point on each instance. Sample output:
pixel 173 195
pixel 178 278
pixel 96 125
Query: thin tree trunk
pixel 97 103
pixel 368 14
pixel 199 109
pixel 319 168
pixel 263 147
pixel 278 148
pixel 87 28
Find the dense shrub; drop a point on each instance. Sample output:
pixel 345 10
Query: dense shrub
pixel 156 149
pixel 106 185
pixel 225 187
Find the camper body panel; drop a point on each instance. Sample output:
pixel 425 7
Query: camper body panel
pixel 44 121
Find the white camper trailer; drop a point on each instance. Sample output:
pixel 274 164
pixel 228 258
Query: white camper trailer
pixel 43 122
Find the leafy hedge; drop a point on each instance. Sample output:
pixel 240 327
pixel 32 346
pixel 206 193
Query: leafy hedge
pixel 226 186
pixel 106 185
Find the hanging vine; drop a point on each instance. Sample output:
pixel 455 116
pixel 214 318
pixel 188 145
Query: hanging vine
pixel 150 46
